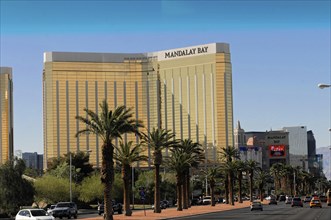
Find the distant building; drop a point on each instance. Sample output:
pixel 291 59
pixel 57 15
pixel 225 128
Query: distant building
pixel 298 146
pixel 6 115
pixel 311 143
pixel 33 160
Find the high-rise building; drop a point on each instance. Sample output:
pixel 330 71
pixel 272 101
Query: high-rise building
pixel 33 160
pixel 186 90
pixel 6 114
pixel 298 146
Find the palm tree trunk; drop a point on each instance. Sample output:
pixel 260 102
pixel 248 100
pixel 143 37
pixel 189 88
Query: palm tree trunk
pixel 231 189
pixel 107 178
pixel 212 192
pixel 188 188
pixel 179 194
pixel 157 208
pixel 251 185
pixel 126 181
pixel 185 203
pixel 240 187
pixel 261 193
pixel 226 185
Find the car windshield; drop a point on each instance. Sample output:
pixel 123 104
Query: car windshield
pixel 296 199
pixel 62 205
pixel 38 213
pixel 256 203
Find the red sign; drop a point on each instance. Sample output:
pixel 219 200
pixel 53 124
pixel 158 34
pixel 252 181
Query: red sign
pixel 277 150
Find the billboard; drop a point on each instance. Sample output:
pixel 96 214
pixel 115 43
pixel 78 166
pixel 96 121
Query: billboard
pixel 277 150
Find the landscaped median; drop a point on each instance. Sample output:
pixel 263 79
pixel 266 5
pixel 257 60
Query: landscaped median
pixel 172 212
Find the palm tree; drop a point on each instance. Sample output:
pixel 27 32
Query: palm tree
pixel 108 126
pixel 251 166
pixel 179 162
pixel 229 153
pixel 275 172
pixel 195 151
pixel 240 167
pixel 158 139
pixel 211 175
pixel 262 178
pixel 126 154
pixel 229 167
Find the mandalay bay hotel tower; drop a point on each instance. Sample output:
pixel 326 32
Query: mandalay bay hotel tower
pixel 6 114
pixel 185 90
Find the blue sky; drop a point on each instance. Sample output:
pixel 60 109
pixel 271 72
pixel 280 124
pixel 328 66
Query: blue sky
pixel 280 51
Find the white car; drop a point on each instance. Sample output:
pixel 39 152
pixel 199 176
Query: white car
pixel 206 200
pixel 33 214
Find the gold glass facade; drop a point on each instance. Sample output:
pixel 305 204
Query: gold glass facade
pixel 190 94
pixel 6 114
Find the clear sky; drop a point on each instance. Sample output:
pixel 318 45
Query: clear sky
pixel 280 51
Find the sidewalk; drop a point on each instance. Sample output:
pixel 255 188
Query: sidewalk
pixel 172 212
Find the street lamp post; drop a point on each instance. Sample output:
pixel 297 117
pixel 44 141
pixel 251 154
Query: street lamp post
pixel 322 86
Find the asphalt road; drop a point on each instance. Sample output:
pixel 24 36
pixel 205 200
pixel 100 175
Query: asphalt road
pixel 270 212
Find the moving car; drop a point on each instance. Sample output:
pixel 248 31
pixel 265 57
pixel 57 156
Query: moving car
pixel 307 199
pixel 33 214
pixel 65 209
pixel 315 202
pixel 117 207
pixel 282 198
pixel 296 201
pixel 256 205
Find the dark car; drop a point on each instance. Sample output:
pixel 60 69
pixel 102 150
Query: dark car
pixel 272 201
pixel 296 201
pixel 117 207
pixel 323 198
pixel 65 209
pixel 282 198
pixel 256 205
pixel 307 199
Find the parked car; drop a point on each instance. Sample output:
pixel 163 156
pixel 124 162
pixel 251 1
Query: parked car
pixel 296 201
pixel 163 205
pixel 288 200
pixel 256 205
pixel 307 199
pixel 33 214
pixel 166 203
pixel 206 200
pixel 50 209
pixel 315 202
pixel 65 209
pixel 117 207
pixel 196 201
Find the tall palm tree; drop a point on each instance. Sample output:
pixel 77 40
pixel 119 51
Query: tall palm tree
pixel 228 154
pixel 212 173
pixel 230 167
pixel 262 178
pixel 179 162
pixel 240 168
pixel 158 139
pixel 195 151
pixel 108 126
pixel 251 166
pixel 126 154
pixel 275 172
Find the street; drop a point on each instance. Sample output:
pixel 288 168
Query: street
pixel 270 212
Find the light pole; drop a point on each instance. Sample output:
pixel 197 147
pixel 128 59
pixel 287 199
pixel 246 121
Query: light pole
pixel 322 86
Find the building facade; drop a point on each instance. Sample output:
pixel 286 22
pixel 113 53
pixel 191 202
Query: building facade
pixel 298 146
pixel 186 90
pixel 6 114
pixel 33 160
